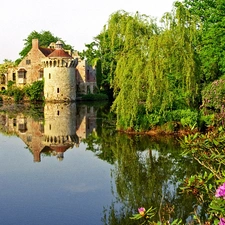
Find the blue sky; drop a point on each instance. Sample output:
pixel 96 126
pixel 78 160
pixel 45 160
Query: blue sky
pixel 76 22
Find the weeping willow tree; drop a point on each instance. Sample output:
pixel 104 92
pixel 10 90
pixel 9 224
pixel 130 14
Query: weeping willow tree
pixel 156 69
pixel 132 33
pixel 172 68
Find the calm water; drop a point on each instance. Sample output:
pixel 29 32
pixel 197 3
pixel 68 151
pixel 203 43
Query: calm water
pixel 65 164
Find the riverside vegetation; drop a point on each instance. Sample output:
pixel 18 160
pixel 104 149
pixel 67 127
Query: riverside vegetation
pixel 170 77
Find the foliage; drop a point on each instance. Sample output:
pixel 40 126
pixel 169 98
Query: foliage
pixel 211 47
pixel 35 91
pixel 145 215
pixel 186 117
pixel 208 150
pixel 18 94
pixel 5 65
pixel 155 72
pixel 10 84
pixel 13 91
pixel 98 68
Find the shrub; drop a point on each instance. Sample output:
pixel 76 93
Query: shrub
pixel 35 91
pixel 18 94
pixel 213 95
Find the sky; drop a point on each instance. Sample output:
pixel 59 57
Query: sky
pixel 75 22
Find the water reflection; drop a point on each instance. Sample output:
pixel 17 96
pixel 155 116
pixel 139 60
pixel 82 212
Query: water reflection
pixel 59 127
pixel 104 181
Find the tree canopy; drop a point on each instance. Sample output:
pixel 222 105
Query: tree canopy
pixel 5 65
pixel 156 68
pixel 212 45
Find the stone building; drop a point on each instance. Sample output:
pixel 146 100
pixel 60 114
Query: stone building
pixel 69 71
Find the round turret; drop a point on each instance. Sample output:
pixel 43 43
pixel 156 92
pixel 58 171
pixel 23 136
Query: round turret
pixel 59 75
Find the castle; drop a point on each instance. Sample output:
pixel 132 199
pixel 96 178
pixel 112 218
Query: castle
pixel 65 75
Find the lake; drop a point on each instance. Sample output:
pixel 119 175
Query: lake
pixel 66 164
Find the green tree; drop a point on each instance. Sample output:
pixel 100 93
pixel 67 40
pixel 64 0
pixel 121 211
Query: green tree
pixel 35 91
pixel 156 69
pixel 5 65
pixel 212 45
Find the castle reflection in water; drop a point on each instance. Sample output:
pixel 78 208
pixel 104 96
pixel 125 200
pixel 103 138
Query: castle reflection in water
pixel 63 127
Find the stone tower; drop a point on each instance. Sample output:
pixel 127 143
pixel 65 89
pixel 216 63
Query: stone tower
pixel 59 75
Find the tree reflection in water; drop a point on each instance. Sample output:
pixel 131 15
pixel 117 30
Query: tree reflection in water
pixel 147 173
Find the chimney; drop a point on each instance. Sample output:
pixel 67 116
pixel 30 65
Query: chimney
pixel 37 156
pixel 35 43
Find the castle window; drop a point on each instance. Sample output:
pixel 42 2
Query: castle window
pixel 29 138
pixel 28 62
pixel 50 127
pixel 57 90
pixel 22 127
pixel 49 76
pixel 2 79
pixel 58 112
pixel 22 73
pixel 14 122
pixel 14 76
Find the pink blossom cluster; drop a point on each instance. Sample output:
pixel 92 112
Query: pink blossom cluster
pixel 220 191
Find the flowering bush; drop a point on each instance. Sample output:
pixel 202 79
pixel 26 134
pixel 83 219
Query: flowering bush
pixel 220 191
pixel 213 95
pixel 218 205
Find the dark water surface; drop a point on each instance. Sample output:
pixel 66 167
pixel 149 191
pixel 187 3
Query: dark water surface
pixel 66 164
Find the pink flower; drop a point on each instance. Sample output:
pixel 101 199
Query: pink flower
pixel 141 211
pixel 220 191
pixel 222 221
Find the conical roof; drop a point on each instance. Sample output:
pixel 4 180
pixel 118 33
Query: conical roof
pixel 60 53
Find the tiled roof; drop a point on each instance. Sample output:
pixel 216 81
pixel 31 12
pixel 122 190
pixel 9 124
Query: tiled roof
pixel 46 51
pixel 59 53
